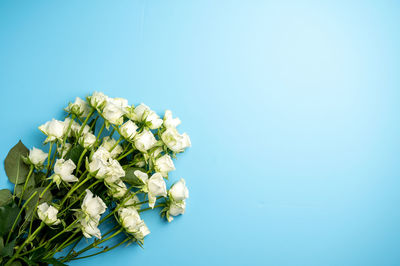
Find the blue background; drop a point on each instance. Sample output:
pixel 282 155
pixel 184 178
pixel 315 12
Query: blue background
pixel 292 108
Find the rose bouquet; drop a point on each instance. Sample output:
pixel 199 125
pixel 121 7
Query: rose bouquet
pixel 107 162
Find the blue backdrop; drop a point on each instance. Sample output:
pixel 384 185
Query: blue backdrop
pixel 292 108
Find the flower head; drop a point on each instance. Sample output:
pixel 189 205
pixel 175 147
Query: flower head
pixel 48 214
pixel 79 108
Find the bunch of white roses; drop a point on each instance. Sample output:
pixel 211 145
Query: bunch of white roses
pixel 108 161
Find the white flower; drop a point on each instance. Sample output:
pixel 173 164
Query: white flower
pixel 76 128
pixel 145 141
pixel 114 171
pixel 89 227
pixel 175 141
pixel 117 189
pixel 109 143
pixel 54 130
pixel 169 121
pixel 141 175
pixel 37 157
pixel 154 186
pixel 128 130
pixel 152 119
pixel 130 220
pixel 63 169
pixel 67 147
pixel 164 164
pixel 87 140
pixel 139 110
pixel 48 214
pixel 93 205
pixel 80 108
pixel 175 209
pixel 115 109
pixel 97 100
pixel 179 191
pixel 99 162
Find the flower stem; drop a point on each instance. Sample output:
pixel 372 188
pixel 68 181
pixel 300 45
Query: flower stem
pixel 26 182
pixel 105 250
pixel 48 159
pixel 73 189
pixel 19 214
pixel 80 161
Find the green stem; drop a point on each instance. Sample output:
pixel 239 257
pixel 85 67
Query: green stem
pixel 19 214
pixel 48 158
pixel 66 134
pixel 149 208
pixel 36 205
pixel 115 145
pixel 84 124
pixel 72 190
pixel 98 135
pixel 26 182
pixel 105 250
pixel 118 207
pixel 80 161
pixel 124 155
pixel 27 241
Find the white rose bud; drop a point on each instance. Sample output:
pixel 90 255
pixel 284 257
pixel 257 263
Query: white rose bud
pixel 54 130
pixel 48 214
pixel 175 209
pixel 93 205
pixel 152 120
pixel 114 110
pixel 145 141
pixel 87 140
pixel 139 110
pixel 164 165
pixel 175 141
pixel 90 228
pixel 109 143
pixel 80 108
pixel 99 163
pixel 114 172
pixel 37 157
pixel 117 189
pixel 169 121
pixel 63 170
pixel 97 100
pixel 131 222
pixel 179 191
pixel 128 130
pixel 156 187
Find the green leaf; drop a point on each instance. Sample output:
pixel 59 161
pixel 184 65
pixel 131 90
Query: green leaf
pixel 8 250
pixel 16 169
pixel 30 207
pixel 74 153
pixel 7 217
pixel 5 197
pixel 16 263
pixel 131 178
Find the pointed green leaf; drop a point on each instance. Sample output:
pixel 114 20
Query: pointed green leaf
pixel 5 197
pixel 7 217
pixel 16 169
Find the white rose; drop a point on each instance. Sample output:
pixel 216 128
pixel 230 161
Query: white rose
pixel 87 140
pixel 115 109
pixel 152 120
pixel 54 130
pixel 169 121
pixel 175 209
pixel 175 141
pixel 145 141
pixel 93 205
pixel 89 227
pixel 114 172
pixel 97 100
pixel 156 187
pixel 128 130
pixel 141 175
pixel 117 189
pixel 130 220
pixel 100 163
pixel 80 108
pixel 130 113
pixel 76 128
pixel 37 157
pixel 139 110
pixel 48 214
pixel 179 191
pixel 63 169
pixel 164 164
pixel 67 147
pixel 109 143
